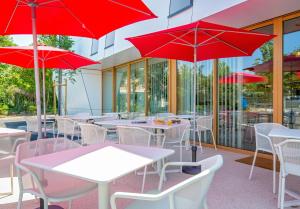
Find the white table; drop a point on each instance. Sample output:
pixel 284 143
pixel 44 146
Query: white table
pixel 11 131
pixel 286 133
pixel 85 118
pixel 148 124
pixel 188 117
pixel 113 162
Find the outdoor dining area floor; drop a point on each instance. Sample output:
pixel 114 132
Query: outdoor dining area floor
pixel 231 188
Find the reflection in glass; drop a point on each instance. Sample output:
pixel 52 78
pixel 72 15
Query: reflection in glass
pixel 185 88
pixel 291 73
pixel 157 86
pixel 245 100
pixel 121 89
pixel 107 91
pixel 137 86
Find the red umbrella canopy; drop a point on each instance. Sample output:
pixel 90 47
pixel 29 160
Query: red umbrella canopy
pixel 89 18
pixel 48 56
pixel 211 41
pixel 242 78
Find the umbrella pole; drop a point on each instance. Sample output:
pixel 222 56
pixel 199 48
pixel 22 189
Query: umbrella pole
pixel 36 70
pixel 194 169
pixel 44 98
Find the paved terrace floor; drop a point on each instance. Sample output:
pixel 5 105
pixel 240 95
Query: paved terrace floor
pixel 231 188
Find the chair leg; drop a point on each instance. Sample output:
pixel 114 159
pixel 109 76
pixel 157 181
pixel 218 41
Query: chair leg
pixel 274 173
pixel 213 139
pixel 199 136
pixel 282 193
pixel 70 204
pixel 253 163
pixel 19 206
pixel 45 203
pixel 11 178
pixel 144 179
pixel 279 191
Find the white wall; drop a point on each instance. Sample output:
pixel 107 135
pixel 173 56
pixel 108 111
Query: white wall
pixel 122 51
pixel 77 96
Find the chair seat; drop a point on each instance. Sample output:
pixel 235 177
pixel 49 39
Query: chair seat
pixel 59 186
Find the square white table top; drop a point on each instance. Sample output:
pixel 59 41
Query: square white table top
pixel 10 131
pixel 99 163
pixel 285 133
pixel 149 124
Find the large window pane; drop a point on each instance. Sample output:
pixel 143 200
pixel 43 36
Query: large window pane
pixel 94 46
pixel 107 91
pixel 291 72
pixel 157 86
pixel 185 100
pixel 244 101
pixel 110 39
pixel 179 5
pixel 137 87
pixel 121 89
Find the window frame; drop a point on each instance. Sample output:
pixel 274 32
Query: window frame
pixel 92 47
pixel 180 10
pixel 113 43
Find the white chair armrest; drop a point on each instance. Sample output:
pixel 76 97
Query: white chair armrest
pixel 133 196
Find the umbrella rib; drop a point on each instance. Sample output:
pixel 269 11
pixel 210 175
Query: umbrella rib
pixel 228 44
pixel 174 36
pixel 65 61
pixel 12 16
pixel 211 38
pixel 168 43
pixel 129 7
pixel 232 31
pixel 76 18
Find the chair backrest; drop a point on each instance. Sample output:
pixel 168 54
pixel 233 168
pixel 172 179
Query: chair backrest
pixel 31 124
pixel 10 142
pixel 34 179
pixel 134 136
pixel 263 141
pixel 92 134
pixel 179 133
pixel 165 114
pixel 191 193
pixel 289 157
pixel 204 123
pixel 65 125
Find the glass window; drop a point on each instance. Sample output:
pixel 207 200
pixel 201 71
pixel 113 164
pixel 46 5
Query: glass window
pixel 94 46
pixel 291 73
pixel 137 87
pixel 185 88
pixel 110 39
pixel 244 101
pixel 107 91
pixel 121 89
pixel 177 6
pixel 157 86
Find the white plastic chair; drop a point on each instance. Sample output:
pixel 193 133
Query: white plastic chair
pixel 7 154
pixel 188 194
pixel 204 124
pixel 264 143
pixel 67 127
pixel 50 186
pixel 289 157
pixel 92 134
pixel 140 137
pixel 178 136
pixel 32 126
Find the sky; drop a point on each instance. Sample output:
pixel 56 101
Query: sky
pixel 22 40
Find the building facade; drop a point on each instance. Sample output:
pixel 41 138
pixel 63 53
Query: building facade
pixel 125 82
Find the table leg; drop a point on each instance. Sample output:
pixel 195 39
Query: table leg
pixel 103 196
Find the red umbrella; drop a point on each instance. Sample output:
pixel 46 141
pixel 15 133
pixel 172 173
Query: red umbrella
pixel 89 18
pixel 242 78
pixel 49 57
pixel 291 63
pixel 199 41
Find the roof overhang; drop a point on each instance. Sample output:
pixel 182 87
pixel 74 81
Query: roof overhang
pixel 253 11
